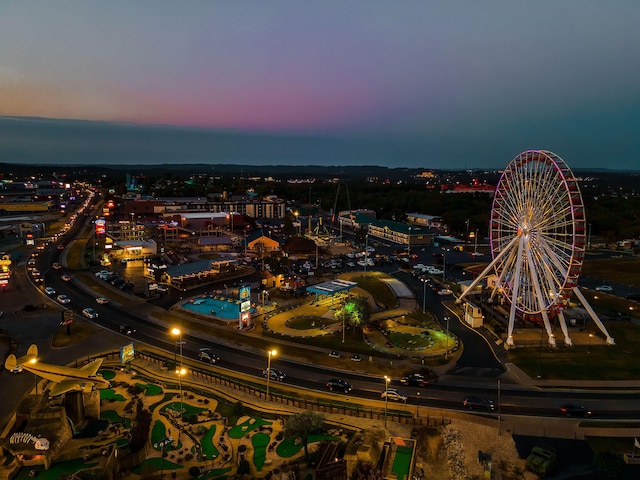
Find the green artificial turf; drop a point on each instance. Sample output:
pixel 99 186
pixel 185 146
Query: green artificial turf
pixel 155 464
pixel 288 448
pixel 110 394
pixel 107 374
pixel 150 389
pixel 260 442
pixel 57 470
pixel 238 432
pixel 208 448
pixel 402 461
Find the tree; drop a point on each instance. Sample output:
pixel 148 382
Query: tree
pixel 355 311
pixel 303 424
pixel 609 465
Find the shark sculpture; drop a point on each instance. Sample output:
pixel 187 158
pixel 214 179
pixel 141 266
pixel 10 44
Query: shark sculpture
pixel 66 379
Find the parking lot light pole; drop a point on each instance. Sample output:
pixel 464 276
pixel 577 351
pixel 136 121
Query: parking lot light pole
pixel 179 370
pixel 424 295
pixel 270 353
pixel 386 398
pixel 446 352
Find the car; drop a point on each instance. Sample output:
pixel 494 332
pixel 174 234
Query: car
pixel 126 329
pixel 16 369
pixel 162 288
pixel 56 266
pixel 394 395
pixel 63 299
pixel 445 291
pixel 49 291
pixel 334 354
pixel 572 410
pixel 65 277
pixel 604 288
pixel 274 374
pixel 89 313
pixel 339 385
pixel 102 300
pixel 61 246
pixel 389 345
pixel 415 380
pixel 478 403
pixel 206 355
pixel 356 358
pixel 633 296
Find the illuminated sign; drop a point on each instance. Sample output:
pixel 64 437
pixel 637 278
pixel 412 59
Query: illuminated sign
pixel 244 293
pixel 101 227
pixel 67 317
pixel 30 241
pixel 245 306
pixel 245 317
pixel 127 353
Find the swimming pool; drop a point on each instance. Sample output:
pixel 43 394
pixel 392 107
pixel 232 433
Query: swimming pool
pixel 217 306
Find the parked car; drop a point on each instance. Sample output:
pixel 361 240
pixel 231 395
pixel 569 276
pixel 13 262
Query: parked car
pixel 571 410
pixel 339 385
pixel 604 288
pixel 478 403
pixel 102 300
pixel 127 330
pixel 356 358
pixel 633 296
pixel 415 380
pixel 275 375
pixel 445 291
pixel 334 354
pixel 162 288
pixel 394 395
pixel 65 277
pixel 56 266
pixel 49 291
pixel 89 313
pixel 63 299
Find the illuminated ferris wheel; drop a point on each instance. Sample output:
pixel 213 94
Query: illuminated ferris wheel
pixel 537 234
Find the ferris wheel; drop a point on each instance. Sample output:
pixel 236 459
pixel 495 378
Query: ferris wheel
pixel 537 235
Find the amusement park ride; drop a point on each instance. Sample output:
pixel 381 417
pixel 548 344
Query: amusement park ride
pixel 537 235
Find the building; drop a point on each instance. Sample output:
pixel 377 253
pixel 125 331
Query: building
pixel 396 232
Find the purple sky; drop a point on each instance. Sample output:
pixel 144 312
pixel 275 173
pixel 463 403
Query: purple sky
pixel 440 69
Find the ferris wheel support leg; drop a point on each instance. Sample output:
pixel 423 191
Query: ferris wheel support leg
pixel 593 315
pixel 539 298
pixel 563 325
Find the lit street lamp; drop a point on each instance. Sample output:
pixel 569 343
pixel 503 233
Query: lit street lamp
pixel 179 370
pixel 270 353
pixel 386 398
pixel 589 345
pixel 35 377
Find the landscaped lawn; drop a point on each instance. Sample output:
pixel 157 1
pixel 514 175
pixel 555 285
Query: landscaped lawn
pixel 406 340
pixel 110 394
pixel 155 464
pixel 306 323
pixel 603 362
pixel 377 289
pixel 246 427
pixel 150 389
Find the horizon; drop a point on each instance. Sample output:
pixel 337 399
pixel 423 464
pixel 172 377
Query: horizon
pixel 450 85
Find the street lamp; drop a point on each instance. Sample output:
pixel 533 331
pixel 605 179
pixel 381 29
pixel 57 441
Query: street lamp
pixel 386 398
pixel 589 345
pixel 446 352
pixel 366 252
pixel 33 361
pixel 179 370
pixel 270 353
pixel 424 295
pixel 475 248
pixel 444 263
pixel 540 356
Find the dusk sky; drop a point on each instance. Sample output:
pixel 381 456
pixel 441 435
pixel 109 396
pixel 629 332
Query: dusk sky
pixel 434 84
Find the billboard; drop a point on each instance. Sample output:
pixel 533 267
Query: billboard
pixel 244 293
pixel 127 353
pixel 101 227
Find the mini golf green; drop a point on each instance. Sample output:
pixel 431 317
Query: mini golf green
pixel 107 374
pixel 402 461
pixel 150 389
pixel 288 448
pixel 113 417
pixel 110 394
pixel 260 442
pixel 155 464
pixel 186 408
pixel 159 433
pixel 165 398
pixel 208 448
pixel 246 427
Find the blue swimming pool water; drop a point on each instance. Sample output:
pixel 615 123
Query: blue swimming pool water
pixel 219 307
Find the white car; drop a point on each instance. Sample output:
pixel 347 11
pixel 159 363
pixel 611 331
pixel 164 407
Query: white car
pixel 394 395
pixel 90 313
pixel 604 288
pixel 102 300
pixel 63 299
pixel 445 291
pixel 49 291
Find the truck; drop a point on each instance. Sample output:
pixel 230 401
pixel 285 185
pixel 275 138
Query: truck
pixel 542 460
